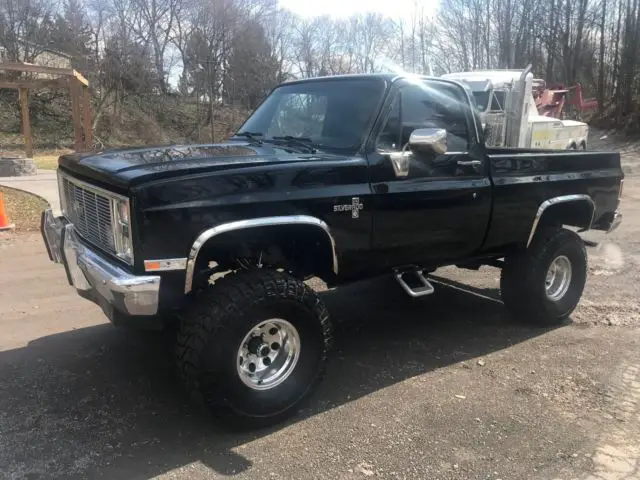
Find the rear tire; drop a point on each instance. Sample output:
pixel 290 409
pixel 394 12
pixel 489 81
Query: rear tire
pixel 543 284
pixel 253 347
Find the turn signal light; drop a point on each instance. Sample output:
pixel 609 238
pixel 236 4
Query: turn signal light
pixel 165 265
pixel 151 265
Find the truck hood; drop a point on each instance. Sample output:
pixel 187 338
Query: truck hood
pixel 124 168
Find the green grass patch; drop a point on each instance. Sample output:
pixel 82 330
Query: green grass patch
pixel 46 159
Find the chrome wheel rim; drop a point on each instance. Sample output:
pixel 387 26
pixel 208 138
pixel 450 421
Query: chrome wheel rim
pixel 558 278
pixel 268 354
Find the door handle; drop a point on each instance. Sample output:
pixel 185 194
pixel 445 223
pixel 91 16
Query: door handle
pixel 469 163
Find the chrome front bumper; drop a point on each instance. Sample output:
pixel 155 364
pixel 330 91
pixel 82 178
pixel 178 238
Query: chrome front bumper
pixel 96 277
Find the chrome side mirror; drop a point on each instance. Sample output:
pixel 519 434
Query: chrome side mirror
pixel 434 139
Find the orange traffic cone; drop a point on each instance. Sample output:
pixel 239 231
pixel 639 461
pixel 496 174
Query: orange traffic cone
pixel 4 218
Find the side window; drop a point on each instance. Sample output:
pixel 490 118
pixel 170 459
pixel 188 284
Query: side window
pixel 426 106
pixel 390 137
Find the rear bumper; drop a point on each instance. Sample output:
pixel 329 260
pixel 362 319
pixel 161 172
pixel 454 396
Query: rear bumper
pixel 615 222
pixel 598 233
pixel 94 276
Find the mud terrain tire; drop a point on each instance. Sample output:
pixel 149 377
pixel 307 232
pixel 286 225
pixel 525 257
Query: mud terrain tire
pixel 240 323
pixel 535 285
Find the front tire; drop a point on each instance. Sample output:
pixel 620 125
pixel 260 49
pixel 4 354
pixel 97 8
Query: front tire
pixel 543 284
pixel 254 346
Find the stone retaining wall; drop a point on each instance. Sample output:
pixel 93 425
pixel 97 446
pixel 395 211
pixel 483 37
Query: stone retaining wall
pixel 17 167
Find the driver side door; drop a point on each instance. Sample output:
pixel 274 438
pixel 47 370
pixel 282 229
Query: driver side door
pixel 440 210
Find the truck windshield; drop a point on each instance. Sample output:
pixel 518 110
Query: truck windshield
pixel 482 100
pixel 331 115
pixel 497 100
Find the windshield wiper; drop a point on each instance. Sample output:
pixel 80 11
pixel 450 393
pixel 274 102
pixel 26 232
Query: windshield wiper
pixel 254 136
pixel 299 141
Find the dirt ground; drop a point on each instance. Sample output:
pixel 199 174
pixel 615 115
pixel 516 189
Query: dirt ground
pixel 444 387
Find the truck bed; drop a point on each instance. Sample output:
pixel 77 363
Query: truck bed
pixel 524 178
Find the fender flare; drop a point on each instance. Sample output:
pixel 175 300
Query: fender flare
pixel 210 233
pixel 555 201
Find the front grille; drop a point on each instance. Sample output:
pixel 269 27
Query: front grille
pixel 90 213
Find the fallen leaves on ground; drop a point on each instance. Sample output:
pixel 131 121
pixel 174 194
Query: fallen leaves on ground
pixel 23 209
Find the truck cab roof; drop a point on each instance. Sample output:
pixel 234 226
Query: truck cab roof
pixel 385 77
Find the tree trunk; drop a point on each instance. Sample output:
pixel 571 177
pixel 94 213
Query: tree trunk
pixel 551 42
pixel 601 58
pixel 578 46
pixel 566 54
pixel 616 57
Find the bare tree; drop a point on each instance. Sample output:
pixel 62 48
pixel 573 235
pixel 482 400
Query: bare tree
pixel 278 25
pixel 163 52
pixel 25 28
pixel 154 22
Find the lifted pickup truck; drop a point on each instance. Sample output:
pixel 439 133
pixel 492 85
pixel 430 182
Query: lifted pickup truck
pixel 340 178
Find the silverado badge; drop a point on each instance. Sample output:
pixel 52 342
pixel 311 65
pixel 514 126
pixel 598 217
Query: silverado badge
pixel 355 206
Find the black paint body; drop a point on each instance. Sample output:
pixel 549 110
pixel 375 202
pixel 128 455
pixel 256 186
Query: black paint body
pixel 457 215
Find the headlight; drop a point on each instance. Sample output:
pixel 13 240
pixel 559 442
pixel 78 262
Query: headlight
pixel 122 229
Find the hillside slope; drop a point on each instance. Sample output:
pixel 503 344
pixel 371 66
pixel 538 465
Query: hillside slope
pixel 137 121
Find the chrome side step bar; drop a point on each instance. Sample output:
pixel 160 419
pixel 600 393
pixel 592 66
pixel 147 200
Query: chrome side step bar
pixel 425 289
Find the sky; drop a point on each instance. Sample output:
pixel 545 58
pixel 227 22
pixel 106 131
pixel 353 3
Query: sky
pixel 345 8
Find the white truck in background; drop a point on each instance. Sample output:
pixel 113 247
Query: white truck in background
pixel 509 115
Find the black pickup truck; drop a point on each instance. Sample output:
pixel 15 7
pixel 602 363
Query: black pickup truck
pixel 340 178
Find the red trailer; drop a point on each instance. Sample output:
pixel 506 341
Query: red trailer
pixel 577 105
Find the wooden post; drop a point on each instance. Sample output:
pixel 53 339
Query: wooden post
pixel 75 113
pixel 87 119
pixel 26 124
